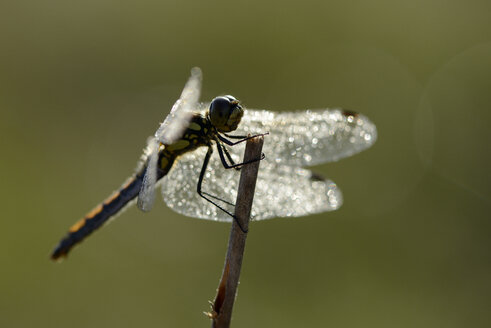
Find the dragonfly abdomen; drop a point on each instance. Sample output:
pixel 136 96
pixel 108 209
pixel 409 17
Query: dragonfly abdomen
pixel 99 215
pixel 117 201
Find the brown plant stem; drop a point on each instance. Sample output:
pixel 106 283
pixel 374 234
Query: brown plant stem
pixel 221 314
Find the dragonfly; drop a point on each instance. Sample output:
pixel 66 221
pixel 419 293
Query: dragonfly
pixel 198 182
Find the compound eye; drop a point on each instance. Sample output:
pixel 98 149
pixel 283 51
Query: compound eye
pixel 220 109
pixel 225 113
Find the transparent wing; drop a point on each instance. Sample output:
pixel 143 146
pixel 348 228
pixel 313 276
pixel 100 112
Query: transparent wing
pixel 310 137
pixel 281 191
pixel 169 131
pixel 146 197
pixel 177 121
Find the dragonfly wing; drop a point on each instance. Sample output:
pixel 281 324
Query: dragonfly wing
pixel 310 137
pixel 179 187
pixel 281 191
pixel 177 121
pixel 146 197
pixel 287 191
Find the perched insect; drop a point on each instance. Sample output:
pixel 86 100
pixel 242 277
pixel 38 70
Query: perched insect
pixel 180 158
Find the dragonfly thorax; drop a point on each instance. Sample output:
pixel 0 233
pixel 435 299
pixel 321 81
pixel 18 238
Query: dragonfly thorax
pixel 225 113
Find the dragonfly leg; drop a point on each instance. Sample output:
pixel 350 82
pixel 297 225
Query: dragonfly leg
pixel 204 194
pixel 242 138
pixel 235 137
pixel 222 150
pixel 218 198
pixel 230 159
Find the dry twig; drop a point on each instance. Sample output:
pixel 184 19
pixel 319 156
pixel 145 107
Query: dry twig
pixel 222 306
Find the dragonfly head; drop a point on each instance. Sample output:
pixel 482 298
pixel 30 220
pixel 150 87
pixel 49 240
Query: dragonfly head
pixel 225 113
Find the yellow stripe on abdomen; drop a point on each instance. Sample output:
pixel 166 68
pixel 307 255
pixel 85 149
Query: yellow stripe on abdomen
pixel 111 206
pixel 98 216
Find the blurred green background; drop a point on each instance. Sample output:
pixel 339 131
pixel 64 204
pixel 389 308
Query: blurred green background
pixel 82 85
